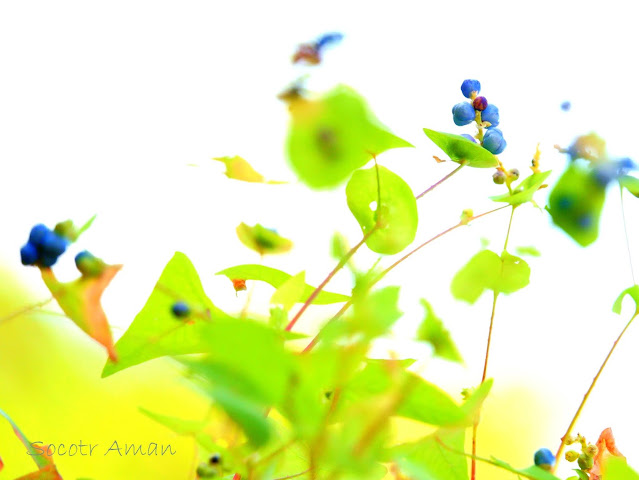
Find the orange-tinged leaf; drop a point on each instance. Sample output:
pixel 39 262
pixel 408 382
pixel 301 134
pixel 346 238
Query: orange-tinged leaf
pixel 47 473
pixel 606 447
pixel 80 301
pixel 1 464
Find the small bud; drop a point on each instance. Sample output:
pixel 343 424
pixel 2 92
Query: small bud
pixel 571 455
pixel 239 284
pixel 569 440
pixel 499 177
pixel 591 450
pixel 513 174
pixel 89 265
pixel 480 103
pixel 215 459
pixel 180 309
pixel 466 216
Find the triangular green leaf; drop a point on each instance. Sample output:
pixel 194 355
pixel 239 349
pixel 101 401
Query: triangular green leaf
pixel 487 271
pixel 634 294
pixel 530 250
pixel 432 331
pixel 277 278
pixel 575 204
pixel 396 216
pixel 460 149
pixel 524 192
pixel 334 135
pixel 534 472
pixel 618 469
pixel 156 331
pixel 289 293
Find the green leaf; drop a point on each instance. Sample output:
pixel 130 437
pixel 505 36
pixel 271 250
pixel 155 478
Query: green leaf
pixel 239 169
pixel 575 204
pixel 194 428
pixel 530 250
pixel 277 278
pixel 432 331
pixel 428 459
pixel 630 183
pixel 487 271
pixel 425 402
pixel 534 472
pixel 634 294
pixel 581 475
pixel 289 293
pixel 461 149
pixel 524 192
pixel 263 240
pixel 334 135
pixel 396 216
pixel 155 331
pixel 474 402
pixel 617 469
pixel 40 460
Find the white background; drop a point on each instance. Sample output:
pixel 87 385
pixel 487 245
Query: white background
pixel 103 105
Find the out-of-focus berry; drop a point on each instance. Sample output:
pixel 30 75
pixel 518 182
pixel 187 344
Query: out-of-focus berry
pixel 571 455
pixel 494 141
pixel 37 234
pixel 513 173
pixel 180 309
pixel 544 458
pixel 463 113
pixel 499 177
pixel 468 86
pixel 490 114
pixel 29 254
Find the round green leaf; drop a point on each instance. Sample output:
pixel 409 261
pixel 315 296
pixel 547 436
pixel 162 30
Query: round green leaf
pixel 461 149
pixel 334 135
pixel 396 213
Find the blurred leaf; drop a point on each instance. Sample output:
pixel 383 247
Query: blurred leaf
pixel 581 475
pixel 263 240
pixel 487 271
pixel 239 169
pixel 575 204
pixel 289 293
pixel 334 135
pixel 473 404
pixel 425 402
pixel 277 278
pixel 630 183
pixel 46 473
pixel 194 428
pixel 634 294
pixel 618 469
pixel 156 331
pixel 428 459
pixel 40 460
pixel 376 313
pixel 532 251
pixel 86 226
pixel 524 192
pixel 432 331
pixel 461 149
pixel 606 450
pixel 80 301
pixel 397 214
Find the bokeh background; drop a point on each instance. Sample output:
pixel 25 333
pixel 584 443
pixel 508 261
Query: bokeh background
pixel 117 108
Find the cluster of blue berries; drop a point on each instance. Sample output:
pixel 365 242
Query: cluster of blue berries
pixel 43 247
pixel 478 109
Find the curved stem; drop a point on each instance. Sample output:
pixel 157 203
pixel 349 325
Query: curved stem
pixel 24 310
pixel 587 395
pixel 391 267
pixel 434 185
pixel 328 278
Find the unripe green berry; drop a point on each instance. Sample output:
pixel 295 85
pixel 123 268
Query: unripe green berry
pixel 585 462
pixel 591 450
pixel 571 455
pixel 513 174
pixel 499 177
pixel 569 439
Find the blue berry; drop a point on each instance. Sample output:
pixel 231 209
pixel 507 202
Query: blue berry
pixel 565 106
pixel 480 103
pixel 53 244
pixel 490 114
pixel 180 309
pixel 626 164
pixel 37 234
pixel 29 254
pixel 468 86
pixel 327 38
pixel 544 458
pixel 494 141
pixel 89 265
pixel 463 114
pixel 47 259
pixel 469 137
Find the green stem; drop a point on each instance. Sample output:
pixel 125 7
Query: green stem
pixel 434 185
pixel 587 395
pixel 510 222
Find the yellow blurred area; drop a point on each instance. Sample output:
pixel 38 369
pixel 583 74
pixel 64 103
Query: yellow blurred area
pixel 50 385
